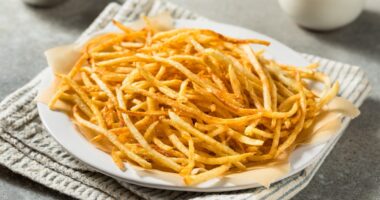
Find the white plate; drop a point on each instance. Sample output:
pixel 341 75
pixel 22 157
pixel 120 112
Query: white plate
pixel 62 129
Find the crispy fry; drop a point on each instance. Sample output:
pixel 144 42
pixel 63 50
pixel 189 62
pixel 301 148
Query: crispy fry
pixel 263 77
pixel 116 158
pixel 112 138
pixel 165 161
pixel 195 179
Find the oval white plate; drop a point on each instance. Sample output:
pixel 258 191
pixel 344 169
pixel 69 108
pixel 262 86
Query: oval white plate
pixel 62 129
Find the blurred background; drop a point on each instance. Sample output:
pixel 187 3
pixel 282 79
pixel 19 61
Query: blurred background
pixel 352 171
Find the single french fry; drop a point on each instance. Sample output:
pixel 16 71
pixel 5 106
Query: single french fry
pixel 195 179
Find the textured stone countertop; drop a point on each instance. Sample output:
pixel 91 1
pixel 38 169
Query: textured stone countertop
pixel 351 171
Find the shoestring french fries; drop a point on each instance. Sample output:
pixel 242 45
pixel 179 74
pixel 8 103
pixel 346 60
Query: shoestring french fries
pixel 189 101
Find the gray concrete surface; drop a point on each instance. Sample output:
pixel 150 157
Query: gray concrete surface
pixel 352 171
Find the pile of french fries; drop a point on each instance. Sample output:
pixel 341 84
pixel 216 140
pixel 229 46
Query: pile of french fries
pixel 189 101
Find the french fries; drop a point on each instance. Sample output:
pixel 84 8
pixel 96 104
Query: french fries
pixel 189 101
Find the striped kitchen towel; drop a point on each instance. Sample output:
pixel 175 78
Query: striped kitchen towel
pixel 28 149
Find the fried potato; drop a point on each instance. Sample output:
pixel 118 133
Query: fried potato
pixel 189 101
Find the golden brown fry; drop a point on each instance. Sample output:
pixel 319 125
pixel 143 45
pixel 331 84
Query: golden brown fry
pixel 121 26
pixel 180 124
pixel 263 77
pixel 112 138
pixel 82 94
pixel 116 158
pixel 217 171
pixel 165 161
